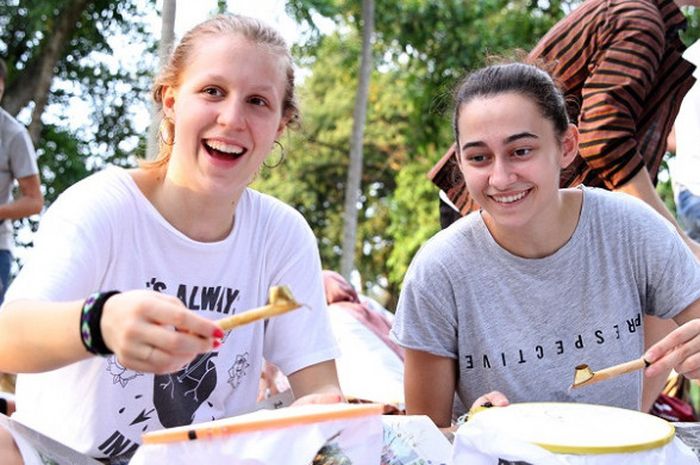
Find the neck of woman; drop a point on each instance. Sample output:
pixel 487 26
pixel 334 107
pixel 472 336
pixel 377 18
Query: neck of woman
pixel 545 235
pixel 199 215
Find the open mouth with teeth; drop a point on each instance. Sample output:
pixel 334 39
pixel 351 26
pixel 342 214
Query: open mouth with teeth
pixel 508 199
pixel 224 151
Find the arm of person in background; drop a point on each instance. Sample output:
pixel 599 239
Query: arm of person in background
pixel 316 384
pixel 641 187
pixel 612 102
pixel 671 140
pixel 30 201
pixel 148 332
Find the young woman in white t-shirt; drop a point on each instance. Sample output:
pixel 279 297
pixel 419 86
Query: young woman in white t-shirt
pixel 226 95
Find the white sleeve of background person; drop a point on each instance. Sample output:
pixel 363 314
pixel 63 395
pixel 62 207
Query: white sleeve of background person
pixel 685 166
pixel 367 368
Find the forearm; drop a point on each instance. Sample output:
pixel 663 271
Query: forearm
pixel 22 207
pixel 679 349
pixel 29 202
pixel 641 187
pixel 655 329
pixel 321 378
pixel 40 336
pixel 429 385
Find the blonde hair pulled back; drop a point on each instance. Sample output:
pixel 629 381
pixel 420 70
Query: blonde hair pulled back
pixel 249 28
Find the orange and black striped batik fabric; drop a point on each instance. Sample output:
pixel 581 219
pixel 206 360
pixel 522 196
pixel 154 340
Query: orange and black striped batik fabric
pixel 619 63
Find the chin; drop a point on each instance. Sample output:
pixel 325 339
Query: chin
pixel 509 220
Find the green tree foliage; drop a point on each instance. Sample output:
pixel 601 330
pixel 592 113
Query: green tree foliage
pixel 692 33
pixel 75 41
pixel 313 176
pixel 70 146
pixel 453 38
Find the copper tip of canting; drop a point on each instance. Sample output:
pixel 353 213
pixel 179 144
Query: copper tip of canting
pixel 582 374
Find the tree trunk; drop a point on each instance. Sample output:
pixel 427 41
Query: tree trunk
pixel 353 185
pixel 167 38
pixel 34 82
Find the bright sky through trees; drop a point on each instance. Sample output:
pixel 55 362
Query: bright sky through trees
pixel 190 12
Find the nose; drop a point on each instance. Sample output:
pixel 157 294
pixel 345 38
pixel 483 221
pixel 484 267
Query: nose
pixel 232 114
pixel 502 175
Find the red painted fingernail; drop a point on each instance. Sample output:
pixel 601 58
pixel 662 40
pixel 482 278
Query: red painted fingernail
pixel 218 333
pixel 216 344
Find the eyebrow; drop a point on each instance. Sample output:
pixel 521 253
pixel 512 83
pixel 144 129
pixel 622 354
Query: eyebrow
pixel 259 87
pixel 507 140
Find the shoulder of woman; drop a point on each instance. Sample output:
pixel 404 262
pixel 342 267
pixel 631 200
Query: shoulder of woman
pixel 633 212
pixel 455 237
pixel 101 191
pixel 449 249
pixel 273 208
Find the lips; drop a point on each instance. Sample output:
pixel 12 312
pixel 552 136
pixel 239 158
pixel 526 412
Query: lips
pixel 220 149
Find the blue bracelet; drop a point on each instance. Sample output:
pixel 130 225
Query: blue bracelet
pixel 90 317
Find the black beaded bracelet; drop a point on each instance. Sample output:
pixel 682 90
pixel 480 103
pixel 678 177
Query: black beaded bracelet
pixel 90 317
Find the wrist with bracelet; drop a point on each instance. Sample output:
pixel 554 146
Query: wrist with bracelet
pixel 90 318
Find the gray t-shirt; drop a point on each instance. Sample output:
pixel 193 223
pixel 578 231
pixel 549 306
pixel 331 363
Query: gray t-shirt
pixel 17 160
pixel 521 325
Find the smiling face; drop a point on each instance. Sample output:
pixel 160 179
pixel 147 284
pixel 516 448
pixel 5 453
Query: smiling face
pixel 227 113
pixel 511 158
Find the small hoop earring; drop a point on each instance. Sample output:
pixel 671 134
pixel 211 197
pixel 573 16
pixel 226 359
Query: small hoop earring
pixel 281 159
pixel 166 131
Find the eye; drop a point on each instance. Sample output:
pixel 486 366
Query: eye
pixel 213 91
pixel 259 101
pixel 476 158
pixel 522 152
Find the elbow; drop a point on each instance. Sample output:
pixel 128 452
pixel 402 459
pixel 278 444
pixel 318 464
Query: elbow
pixel 37 205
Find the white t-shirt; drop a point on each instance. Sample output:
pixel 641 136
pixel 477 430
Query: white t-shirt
pixel 685 166
pixel 103 234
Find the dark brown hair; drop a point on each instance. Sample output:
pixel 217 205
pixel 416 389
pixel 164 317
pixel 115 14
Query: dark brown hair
pixel 527 80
